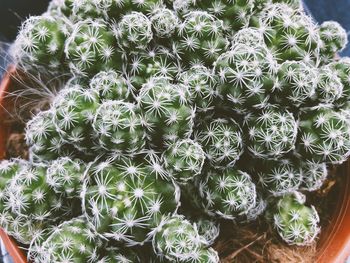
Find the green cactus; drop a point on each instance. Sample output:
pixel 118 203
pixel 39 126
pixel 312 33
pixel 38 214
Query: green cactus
pixel 227 194
pixel 296 84
pixel 290 33
pixel 133 31
pixel 271 134
pixel 110 86
pixel 280 177
pixel 334 39
pixel 154 62
pixel 168 115
pixel 118 128
pixel 342 69
pixel 324 135
pixel 329 87
pixel 222 142
pixel 43 139
pixel 200 38
pixel 74 109
pixel 122 255
pixel 178 240
pixel 72 241
pixel 184 160
pixel 126 200
pixel 40 43
pixel 202 84
pixel 296 223
pixel 65 176
pixel 314 175
pixel 209 229
pixel 245 76
pixel 92 48
pixel 235 13
pixel 164 22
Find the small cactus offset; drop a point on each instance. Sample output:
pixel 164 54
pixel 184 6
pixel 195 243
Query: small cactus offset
pixel 126 201
pixel 222 142
pixel 178 240
pixel 271 134
pixel 296 223
pixel 227 194
pixel 162 118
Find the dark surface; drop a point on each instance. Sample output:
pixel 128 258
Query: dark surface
pixel 13 12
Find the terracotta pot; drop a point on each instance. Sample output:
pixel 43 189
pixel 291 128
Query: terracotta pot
pixel 334 243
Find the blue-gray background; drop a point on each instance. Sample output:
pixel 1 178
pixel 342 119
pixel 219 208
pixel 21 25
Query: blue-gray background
pixel 12 12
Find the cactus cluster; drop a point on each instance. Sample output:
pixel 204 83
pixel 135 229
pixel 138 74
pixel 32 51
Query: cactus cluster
pixel 174 115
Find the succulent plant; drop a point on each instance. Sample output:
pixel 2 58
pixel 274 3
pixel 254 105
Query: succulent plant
pixel 110 86
pixel 201 38
pixel 280 177
pixel 333 39
pixel 314 175
pixel 134 31
pixel 209 229
pixel 290 33
pixel 92 48
pixel 72 241
pixel 168 114
pixel 296 223
pixel 296 84
pixel 164 22
pixel 40 43
pixel 222 142
pixel 122 255
pixel 202 84
pixel 65 176
pixel 31 196
pixel 245 76
pixel 184 160
pixel 74 109
pixel 342 69
pixel 179 241
pixel 126 201
pixel 227 194
pixel 324 135
pixel 271 134
pixel 43 139
pixel 329 87
pixel 118 128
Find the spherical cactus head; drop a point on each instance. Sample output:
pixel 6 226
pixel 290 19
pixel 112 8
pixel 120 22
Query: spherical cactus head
pixel 118 128
pixel 329 87
pixel 184 160
pixel 72 240
pixel 209 229
pixel 245 72
pixel 40 43
pixel 334 39
pixel 341 68
pixel 324 135
pixel 222 142
pixel 125 201
pixel 73 113
pixel 279 177
pixel 228 194
pixel 32 197
pixel 91 48
pixel 65 176
pixel 168 114
pixel 110 86
pixel 296 223
pixel 177 239
pixel 296 83
pixel 202 84
pixel 314 175
pixel 271 134
pixel 134 31
pixel 164 22
pixel 201 38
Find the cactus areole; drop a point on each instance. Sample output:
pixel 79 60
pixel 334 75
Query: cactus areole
pixel 172 116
